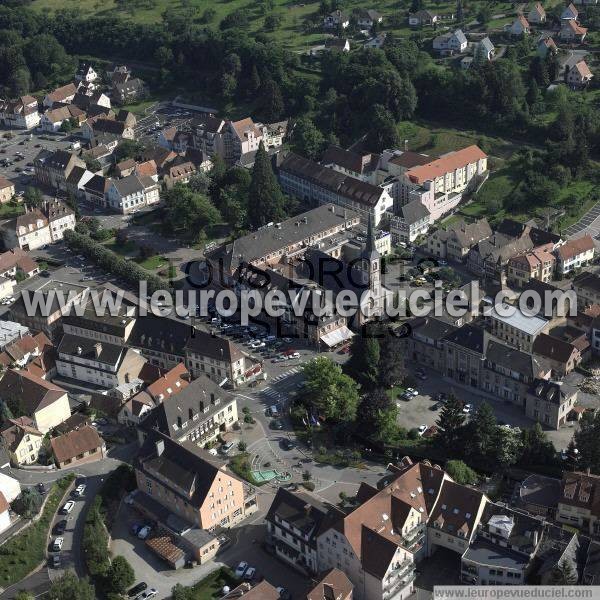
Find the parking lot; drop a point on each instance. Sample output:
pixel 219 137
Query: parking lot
pixel 28 144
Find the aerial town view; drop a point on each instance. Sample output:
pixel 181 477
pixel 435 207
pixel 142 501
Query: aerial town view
pixel 299 300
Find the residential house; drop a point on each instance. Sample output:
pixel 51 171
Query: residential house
pixel 546 44
pixel 520 26
pixel 52 169
pixel 7 190
pixel 579 75
pixel 53 119
pixel 549 403
pixel 334 585
pixel 61 95
pixel 538 494
pixel 125 167
pixel 261 591
pixel 503 549
pixel 440 184
pixel 131 193
pixel 337 18
pixel 537 14
pixel 28 231
pixel 21 113
pixel 129 91
pixel 425 345
pixel 180 478
pixel 366 18
pixel 95 128
pixel 570 13
pixel 537 264
pixel 15 260
pixel 78 177
pixel 77 447
pixel 147 168
pixel 376 42
pixel 413 220
pixel 240 140
pixel 61 218
pixel 95 104
pixel 455 242
pixel 485 48
pixel 317 185
pixel 579 502
pixel 294 522
pixel 422 17
pixel 341 44
pixel 560 356
pixel 450 43
pixel 31 396
pixel 22 440
pixel 571 31
pixel 86 73
pixel 180 173
pixel 4 513
pixel 169 384
pixel 95 190
pixel 9 486
pixel 135 409
pixel 575 254
pixel 35 354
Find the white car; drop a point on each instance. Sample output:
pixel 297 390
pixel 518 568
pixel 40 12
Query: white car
pixel 68 507
pixel 129 498
pixel 250 574
pixel 423 429
pixel 256 345
pixel 147 594
pixel 80 490
pixel 58 544
pixel 241 569
pixel 412 391
pixel 144 532
pixel 467 408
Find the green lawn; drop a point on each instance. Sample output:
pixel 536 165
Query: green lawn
pixel 11 209
pixel 212 585
pixel 24 552
pixel 127 249
pixel 152 263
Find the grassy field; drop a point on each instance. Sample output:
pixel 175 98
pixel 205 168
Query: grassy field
pixel 11 209
pixel 152 263
pixel 212 585
pixel 127 249
pixel 23 553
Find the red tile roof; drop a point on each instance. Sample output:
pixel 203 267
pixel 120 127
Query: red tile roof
pixel 573 248
pixel 170 383
pixel 446 164
pixel 74 443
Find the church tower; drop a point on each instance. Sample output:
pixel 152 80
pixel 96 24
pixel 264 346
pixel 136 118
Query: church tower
pixel 372 265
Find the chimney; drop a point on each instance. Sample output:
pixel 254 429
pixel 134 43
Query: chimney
pixel 98 349
pixel 587 471
pixel 79 350
pixel 160 447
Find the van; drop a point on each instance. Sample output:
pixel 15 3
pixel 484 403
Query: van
pixel 273 412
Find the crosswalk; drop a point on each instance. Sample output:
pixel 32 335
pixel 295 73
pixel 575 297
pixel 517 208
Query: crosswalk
pixel 286 374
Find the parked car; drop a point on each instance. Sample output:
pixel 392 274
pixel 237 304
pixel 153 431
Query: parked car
pixel 56 561
pixel 79 490
pixel 241 569
pixel 58 544
pixel 129 498
pixel 148 594
pixel 135 528
pixel 144 532
pixel 276 424
pixel 467 408
pixel 60 527
pixel 225 448
pixel 137 589
pixel 422 429
pixel 412 392
pixel 68 507
pixel 41 488
pixel 287 444
pixel 250 574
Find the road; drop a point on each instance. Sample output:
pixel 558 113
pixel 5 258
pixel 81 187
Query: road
pixel 589 223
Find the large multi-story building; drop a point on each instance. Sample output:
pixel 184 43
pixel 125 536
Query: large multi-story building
pixel 52 169
pixel 579 502
pixel 181 478
pixel 21 113
pixel 199 413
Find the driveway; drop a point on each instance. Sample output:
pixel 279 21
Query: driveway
pixel 246 545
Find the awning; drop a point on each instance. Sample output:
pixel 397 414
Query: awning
pixel 333 338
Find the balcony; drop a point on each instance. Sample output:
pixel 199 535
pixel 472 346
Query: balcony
pixel 392 588
pixel 413 536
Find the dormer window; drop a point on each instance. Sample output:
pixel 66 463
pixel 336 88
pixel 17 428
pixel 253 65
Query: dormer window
pixel 190 414
pixel 179 422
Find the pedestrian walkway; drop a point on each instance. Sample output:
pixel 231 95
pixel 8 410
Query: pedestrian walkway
pixel 269 392
pixel 287 374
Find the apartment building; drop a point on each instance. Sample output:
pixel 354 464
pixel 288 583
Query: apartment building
pixel 579 502
pixel 294 522
pixel 317 185
pixel 455 242
pixel 550 403
pixel 181 479
pixel 28 395
pixel 519 330
pixel 7 190
pixel 22 441
pixel 99 363
pixel 575 254
pixel 52 169
pixel 559 355
pixel 131 193
pixel 587 287
pixel 20 113
pixel 441 183
pixel 413 220
pixel 199 413
pixel 538 264
pixel 169 384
